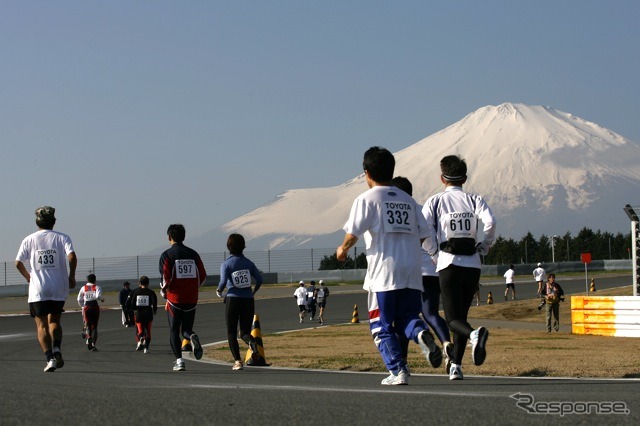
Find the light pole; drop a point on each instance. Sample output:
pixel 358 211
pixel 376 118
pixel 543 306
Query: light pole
pixel 553 250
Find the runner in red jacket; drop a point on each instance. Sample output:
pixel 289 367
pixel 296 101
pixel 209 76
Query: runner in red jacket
pixel 182 274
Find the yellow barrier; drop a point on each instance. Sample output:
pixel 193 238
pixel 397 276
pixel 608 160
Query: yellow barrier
pixel 606 316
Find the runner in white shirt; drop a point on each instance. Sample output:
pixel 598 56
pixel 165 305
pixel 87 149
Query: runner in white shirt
pixel 301 299
pixel 540 275
pixel 510 283
pixel 453 217
pixel 391 224
pixel 47 252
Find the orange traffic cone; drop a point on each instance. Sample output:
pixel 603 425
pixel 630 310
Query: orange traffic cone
pixel 592 287
pixel 256 360
pixel 354 318
pixel 490 299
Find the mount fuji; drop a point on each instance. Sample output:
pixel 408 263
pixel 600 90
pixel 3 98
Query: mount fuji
pixel 541 170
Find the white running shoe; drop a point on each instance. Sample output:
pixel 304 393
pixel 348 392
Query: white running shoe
pixel 139 345
pixel 179 365
pixel 396 379
pixel 146 350
pixel 429 348
pixel 237 366
pixel 478 340
pixel 447 352
pixel 455 372
pixel 51 366
pixel 195 344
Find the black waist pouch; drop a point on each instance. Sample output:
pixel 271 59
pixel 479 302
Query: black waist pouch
pixel 463 246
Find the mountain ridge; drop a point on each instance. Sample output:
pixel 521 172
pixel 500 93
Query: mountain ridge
pixel 541 170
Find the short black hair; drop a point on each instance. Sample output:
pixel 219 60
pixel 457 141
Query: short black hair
pixel 91 278
pixel 45 217
pixel 511 266
pixel 176 232
pixel 235 244
pixel 454 169
pixel 403 183
pixel 144 280
pixel 379 163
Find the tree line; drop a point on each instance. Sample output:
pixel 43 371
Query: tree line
pixel 546 249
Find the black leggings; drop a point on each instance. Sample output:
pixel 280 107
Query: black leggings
pixel 181 318
pixel 239 310
pixel 458 286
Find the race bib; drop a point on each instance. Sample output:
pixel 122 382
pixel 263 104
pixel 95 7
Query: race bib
pixel 142 300
pixel 46 259
pixel 241 279
pixel 460 225
pixel 90 296
pixel 398 217
pixel 186 268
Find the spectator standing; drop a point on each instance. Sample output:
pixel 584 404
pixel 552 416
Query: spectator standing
pixel 552 294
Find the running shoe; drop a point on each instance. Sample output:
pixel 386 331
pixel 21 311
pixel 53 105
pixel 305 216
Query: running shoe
pixel 139 345
pixel 447 352
pixel 254 347
pixel 94 349
pixel 59 361
pixel 429 348
pixel 455 372
pixel 51 366
pixel 197 348
pixel 478 341
pixel 89 344
pixel 146 350
pixel 396 379
pixel 178 365
pixel 237 366
pixel 301 320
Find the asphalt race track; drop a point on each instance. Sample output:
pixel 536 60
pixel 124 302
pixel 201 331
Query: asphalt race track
pixel 117 385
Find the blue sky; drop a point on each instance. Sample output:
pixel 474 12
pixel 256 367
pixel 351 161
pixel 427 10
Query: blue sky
pixel 129 116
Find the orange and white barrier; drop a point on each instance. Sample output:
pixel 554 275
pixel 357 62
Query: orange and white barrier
pixel 606 316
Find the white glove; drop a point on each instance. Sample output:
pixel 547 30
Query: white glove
pixel 218 293
pixel 163 294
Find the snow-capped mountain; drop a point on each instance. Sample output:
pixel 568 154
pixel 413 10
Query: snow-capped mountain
pixel 541 170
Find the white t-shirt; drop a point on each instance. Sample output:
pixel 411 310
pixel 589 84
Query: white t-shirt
pixel 392 226
pixel 509 276
pixel 457 216
pixel 539 274
pixel 46 251
pixel 301 295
